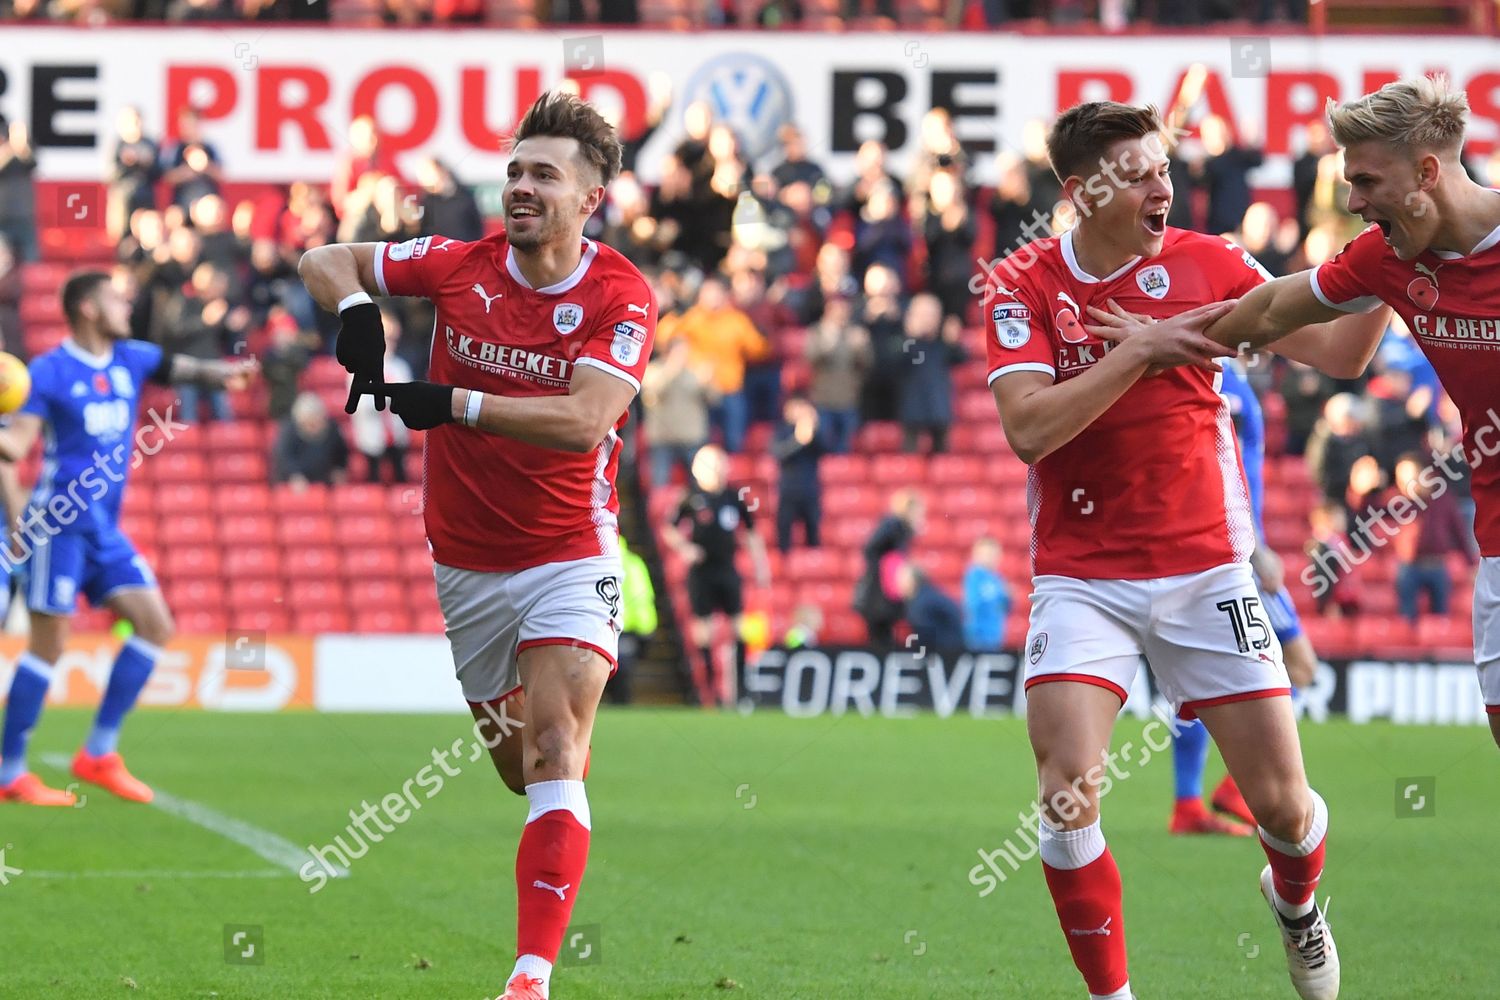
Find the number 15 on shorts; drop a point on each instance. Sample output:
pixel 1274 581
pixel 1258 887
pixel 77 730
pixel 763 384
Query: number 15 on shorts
pixel 1245 617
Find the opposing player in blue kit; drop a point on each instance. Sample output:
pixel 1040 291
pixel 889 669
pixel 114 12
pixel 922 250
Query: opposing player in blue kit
pixel 85 402
pixel 1190 741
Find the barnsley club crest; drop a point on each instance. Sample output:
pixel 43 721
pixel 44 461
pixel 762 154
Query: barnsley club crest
pixel 567 317
pixel 1154 281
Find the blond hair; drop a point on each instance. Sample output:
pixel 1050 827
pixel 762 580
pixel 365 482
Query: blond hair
pixel 1420 112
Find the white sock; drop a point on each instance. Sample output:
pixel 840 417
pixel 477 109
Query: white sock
pixel 1123 993
pixel 536 967
pixel 546 796
pixel 1070 849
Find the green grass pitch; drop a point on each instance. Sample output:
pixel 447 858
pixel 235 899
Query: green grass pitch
pixel 756 857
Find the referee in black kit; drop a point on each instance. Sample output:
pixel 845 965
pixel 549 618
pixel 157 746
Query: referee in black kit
pixel 716 513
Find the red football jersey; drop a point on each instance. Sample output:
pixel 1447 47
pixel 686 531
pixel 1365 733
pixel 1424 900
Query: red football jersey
pixel 1451 304
pixel 1154 486
pixel 493 503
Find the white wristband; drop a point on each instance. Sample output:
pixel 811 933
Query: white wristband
pixel 354 299
pixel 471 408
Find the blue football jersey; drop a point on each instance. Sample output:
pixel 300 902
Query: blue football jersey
pixel 89 406
pixel 1250 428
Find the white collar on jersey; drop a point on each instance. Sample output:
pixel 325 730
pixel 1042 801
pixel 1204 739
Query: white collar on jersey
pixel 100 362
pixel 1489 241
pixel 1078 272
pixel 590 251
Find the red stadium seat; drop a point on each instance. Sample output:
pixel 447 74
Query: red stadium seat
pixel 406 499
pixel 236 435
pixel 182 562
pixel 364 529
pixel 427 621
pixel 367 593
pixel 174 497
pixel 1445 636
pixel 248 593
pixel 416 564
pixel 312 499
pixel 307 529
pixel 238 467
pixel 382 620
pixel 315 563
pixel 371 561
pixel 196 592
pixel 360 498
pixel 252 562
pixel 319 621
pixel 242 498
pixel 169 466
pixel 269 619
pixel 878 436
pixel 247 529
pixel 320 593
pixel 199 621
pixel 186 528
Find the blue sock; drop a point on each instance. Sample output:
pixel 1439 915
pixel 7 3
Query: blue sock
pixel 28 690
pixel 131 670
pixel 1189 754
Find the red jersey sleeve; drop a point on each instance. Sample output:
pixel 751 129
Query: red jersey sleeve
pixel 1017 337
pixel 620 343
pixel 416 267
pixel 1342 283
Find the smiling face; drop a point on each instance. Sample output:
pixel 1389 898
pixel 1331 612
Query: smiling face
pixel 1392 187
pixel 1128 197
pixel 549 193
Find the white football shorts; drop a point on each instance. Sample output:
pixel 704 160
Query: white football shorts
pixel 1205 636
pixel 1487 631
pixel 492 618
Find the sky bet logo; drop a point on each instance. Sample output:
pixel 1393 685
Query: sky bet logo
pixel 514 361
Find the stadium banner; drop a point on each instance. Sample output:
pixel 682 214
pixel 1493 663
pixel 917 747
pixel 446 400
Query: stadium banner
pixel 277 101
pixel 250 672
pixel 897 683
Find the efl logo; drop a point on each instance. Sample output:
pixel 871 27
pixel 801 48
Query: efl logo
pixel 1012 324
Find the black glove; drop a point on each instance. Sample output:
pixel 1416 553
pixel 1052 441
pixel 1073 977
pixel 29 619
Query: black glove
pixel 421 405
pixel 360 348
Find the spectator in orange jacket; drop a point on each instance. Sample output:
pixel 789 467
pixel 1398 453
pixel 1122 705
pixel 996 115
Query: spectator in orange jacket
pixel 721 334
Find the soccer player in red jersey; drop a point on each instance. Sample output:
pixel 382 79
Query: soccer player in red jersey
pixel 540 341
pixel 1142 529
pixel 1432 252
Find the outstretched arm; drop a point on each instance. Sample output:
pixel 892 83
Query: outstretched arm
pixel 1287 313
pixel 576 422
pixel 213 372
pixel 334 272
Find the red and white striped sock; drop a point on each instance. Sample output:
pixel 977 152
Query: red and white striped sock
pixel 550 860
pixel 1296 868
pixel 1085 886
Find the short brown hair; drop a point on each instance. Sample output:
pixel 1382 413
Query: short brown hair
pixel 80 287
pixel 1082 135
pixel 571 117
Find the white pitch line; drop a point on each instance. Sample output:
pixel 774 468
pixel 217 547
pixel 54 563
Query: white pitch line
pixel 274 848
pixel 260 873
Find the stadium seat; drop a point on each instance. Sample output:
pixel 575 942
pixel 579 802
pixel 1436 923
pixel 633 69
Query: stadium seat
pixel 247 529
pixel 252 562
pixel 879 436
pixel 382 620
pixel 319 621
pixel 238 467
pixel 249 593
pixel 361 498
pixel 187 528
pixel 312 499
pixel 380 592
pixel 241 498
pixel 169 466
pixel 367 529
pixel 308 529
pixel 182 562
pixel 316 563
pixel 195 592
pixel 234 435
pixel 268 619
pixel 427 621
pixel 416 564
pixel 319 593
pixel 370 561
pixel 198 620
pixel 178 497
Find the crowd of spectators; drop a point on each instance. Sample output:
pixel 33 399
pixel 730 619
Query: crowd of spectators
pixel 827 15
pixel 792 309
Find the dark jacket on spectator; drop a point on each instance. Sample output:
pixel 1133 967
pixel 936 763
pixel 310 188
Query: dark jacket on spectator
pixel 1228 182
pixel 935 618
pixel 927 382
pixel 455 215
pixel 316 460
pixel 799 462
